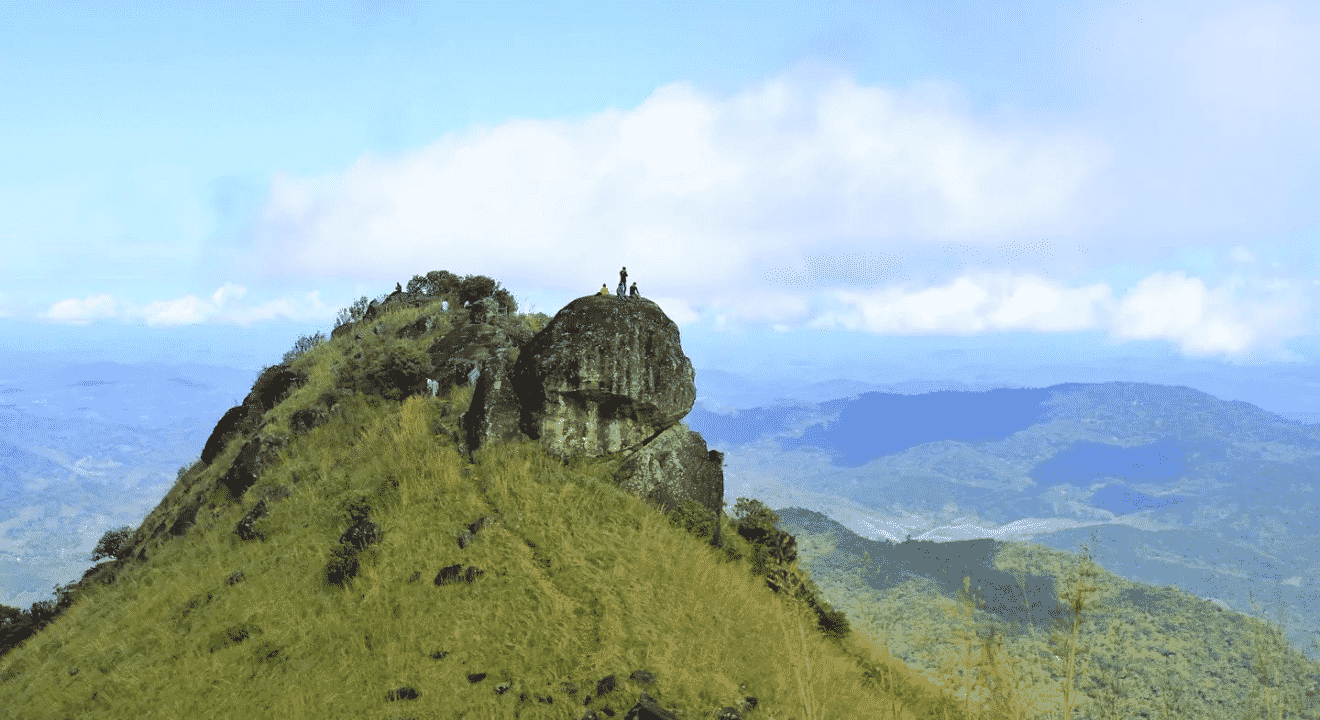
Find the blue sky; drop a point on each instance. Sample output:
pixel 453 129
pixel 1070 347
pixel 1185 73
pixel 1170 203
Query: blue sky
pixel 1010 193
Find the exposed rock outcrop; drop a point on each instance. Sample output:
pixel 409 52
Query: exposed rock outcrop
pixel 605 375
pixel 396 300
pixel 456 357
pixel 672 468
pixel 273 385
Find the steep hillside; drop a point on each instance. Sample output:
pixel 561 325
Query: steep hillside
pixel 380 530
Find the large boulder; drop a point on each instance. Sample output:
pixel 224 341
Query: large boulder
pixel 605 375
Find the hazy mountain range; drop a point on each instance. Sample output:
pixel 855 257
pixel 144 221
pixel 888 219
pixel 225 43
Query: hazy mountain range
pixel 1175 486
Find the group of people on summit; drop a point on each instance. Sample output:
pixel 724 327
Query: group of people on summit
pixel 623 283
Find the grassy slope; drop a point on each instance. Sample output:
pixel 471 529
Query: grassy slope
pixel 580 581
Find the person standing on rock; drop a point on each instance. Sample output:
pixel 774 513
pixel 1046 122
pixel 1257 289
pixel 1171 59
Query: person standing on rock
pixel 623 281
pixel 604 290
pixel 632 293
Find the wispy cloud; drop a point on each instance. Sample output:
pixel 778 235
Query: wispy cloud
pixel 223 308
pixel 1242 318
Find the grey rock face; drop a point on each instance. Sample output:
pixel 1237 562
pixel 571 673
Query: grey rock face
pixel 457 356
pixel 493 414
pixel 674 468
pixel 605 375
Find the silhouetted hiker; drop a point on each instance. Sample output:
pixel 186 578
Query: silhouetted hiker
pixel 398 287
pixel 632 293
pixel 604 290
pixel 623 281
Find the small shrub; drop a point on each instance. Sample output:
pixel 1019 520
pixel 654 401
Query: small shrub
pixel 504 299
pixel 185 469
pixel 535 322
pixel 304 343
pixel 476 287
pixel 833 623
pixel 112 544
pixel 352 313
pixel 694 518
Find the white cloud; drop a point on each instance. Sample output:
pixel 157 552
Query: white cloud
pixel 1172 306
pixel 81 312
pixel 227 291
pixel 180 311
pixel 222 309
pixel 692 191
pixel 984 302
pixel 1242 317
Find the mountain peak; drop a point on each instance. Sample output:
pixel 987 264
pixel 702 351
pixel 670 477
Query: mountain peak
pixel 356 533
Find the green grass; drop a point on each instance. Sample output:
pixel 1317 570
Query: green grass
pixel 580 581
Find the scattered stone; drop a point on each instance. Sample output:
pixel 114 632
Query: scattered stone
pixel 244 529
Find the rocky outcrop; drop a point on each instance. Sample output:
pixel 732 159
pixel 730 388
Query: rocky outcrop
pixel 396 300
pixel 456 357
pixel 493 414
pixel 672 468
pixel 604 376
pixel 270 389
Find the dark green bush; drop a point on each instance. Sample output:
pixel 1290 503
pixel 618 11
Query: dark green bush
pixel 439 283
pixel 15 626
pixel 833 623
pixel 476 287
pixel 18 625
pixel 112 544
pixel 754 514
pixel 505 300
pixel 389 371
pixel 694 518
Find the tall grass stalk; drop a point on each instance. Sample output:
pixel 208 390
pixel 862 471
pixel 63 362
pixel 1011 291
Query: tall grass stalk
pixel 807 702
pixel 1076 595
